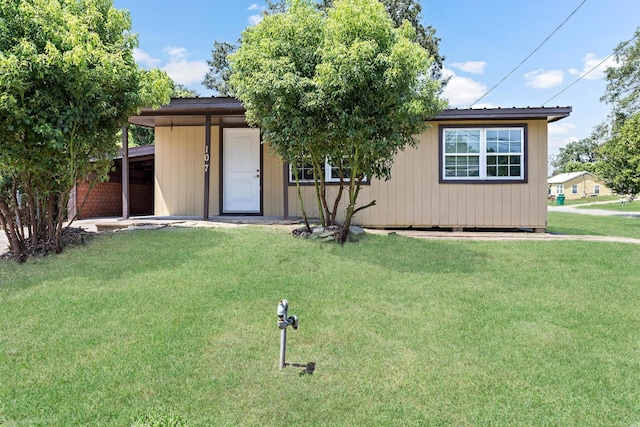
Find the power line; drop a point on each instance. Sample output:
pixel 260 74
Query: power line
pixel 585 74
pixel 530 55
pixel 577 80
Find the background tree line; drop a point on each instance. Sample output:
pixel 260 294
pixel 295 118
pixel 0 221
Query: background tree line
pixel 217 79
pixel 612 151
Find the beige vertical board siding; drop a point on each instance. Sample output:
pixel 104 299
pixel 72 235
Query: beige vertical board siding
pixel 538 177
pixel 272 183
pixel 191 167
pixel 415 197
pixel 179 171
pixel 430 173
pixel 401 186
pixel 159 185
pixel 417 192
pixel 195 149
pixel 177 134
pixel 183 188
pixel 214 172
pixel 311 203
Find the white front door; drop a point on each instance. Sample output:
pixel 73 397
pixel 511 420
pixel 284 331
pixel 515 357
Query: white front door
pixel 241 177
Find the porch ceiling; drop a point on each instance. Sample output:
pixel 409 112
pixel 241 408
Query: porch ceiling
pixel 191 112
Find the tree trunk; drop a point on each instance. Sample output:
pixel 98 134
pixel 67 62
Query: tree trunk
pixel 318 179
pixel 351 210
pixel 33 218
pixel 301 200
pixel 17 247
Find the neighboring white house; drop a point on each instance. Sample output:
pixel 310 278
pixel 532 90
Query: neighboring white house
pixel 575 185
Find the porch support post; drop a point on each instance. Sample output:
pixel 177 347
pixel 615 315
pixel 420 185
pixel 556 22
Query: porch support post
pixel 207 161
pixel 125 172
pixel 285 189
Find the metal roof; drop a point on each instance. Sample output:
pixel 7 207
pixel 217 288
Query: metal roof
pixel 191 111
pixel 568 176
pixel 551 114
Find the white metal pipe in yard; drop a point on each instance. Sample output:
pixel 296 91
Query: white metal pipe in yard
pixel 283 346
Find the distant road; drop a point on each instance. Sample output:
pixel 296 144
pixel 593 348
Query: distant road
pixel 600 212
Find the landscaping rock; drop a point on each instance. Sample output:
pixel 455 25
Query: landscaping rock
pixel 355 232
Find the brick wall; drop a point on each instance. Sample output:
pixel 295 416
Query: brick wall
pixel 140 199
pixel 105 199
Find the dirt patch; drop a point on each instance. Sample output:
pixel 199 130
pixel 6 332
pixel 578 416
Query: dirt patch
pixel 72 236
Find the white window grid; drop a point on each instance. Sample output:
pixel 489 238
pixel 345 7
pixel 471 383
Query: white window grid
pixel 330 174
pixel 478 154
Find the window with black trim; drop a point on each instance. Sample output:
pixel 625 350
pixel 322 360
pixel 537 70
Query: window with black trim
pixel 483 153
pixel 331 173
pixel 304 170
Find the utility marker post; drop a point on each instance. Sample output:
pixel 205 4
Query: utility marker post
pixel 283 322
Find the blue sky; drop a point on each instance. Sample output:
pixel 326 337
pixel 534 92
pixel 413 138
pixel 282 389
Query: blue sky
pixel 482 40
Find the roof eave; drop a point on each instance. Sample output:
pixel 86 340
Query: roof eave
pixel 196 106
pixel 550 114
pixel 226 106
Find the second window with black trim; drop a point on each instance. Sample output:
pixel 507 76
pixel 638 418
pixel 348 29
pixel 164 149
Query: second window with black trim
pixel 305 173
pixel 483 153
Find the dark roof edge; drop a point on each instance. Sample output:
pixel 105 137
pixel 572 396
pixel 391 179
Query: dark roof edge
pixel 140 151
pixel 232 106
pixel 196 106
pixel 551 114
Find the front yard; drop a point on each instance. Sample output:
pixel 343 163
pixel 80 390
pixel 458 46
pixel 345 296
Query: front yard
pixel 179 326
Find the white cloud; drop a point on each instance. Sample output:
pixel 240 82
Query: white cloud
pixel 461 91
pixel 182 70
pixel 590 61
pixel 143 59
pixel 560 135
pixel 541 79
pixel 560 128
pixel 475 67
pixel 255 19
pixel 179 68
pixel 176 52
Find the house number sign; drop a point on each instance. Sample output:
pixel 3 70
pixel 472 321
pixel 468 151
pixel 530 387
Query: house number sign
pixel 207 158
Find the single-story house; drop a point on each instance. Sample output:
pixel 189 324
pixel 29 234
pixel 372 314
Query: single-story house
pixel 575 185
pixel 473 168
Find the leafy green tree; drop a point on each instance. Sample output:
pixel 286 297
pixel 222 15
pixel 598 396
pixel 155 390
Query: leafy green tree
pixel 620 165
pixel 140 135
pixel 578 156
pixel 574 166
pixel 217 78
pixel 619 161
pixel 346 86
pixel 411 11
pixel 623 81
pixel 69 82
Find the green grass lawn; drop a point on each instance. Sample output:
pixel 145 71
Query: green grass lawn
pixel 179 325
pixel 582 224
pixel 616 206
pixel 585 200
